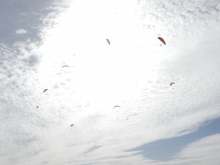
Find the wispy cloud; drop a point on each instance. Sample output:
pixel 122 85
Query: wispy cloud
pixel 167 149
pixel 21 31
pixel 30 16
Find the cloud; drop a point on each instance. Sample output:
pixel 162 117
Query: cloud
pixel 19 58
pixel 203 151
pixel 191 17
pixel 167 149
pixel 30 16
pixel 21 31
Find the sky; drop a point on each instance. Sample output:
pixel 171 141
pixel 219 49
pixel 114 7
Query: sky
pixel 154 123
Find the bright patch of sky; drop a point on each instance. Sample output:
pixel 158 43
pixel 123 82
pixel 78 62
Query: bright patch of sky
pixel 37 38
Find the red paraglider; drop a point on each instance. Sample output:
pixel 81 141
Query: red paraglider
pixel 172 83
pixel 108 41
pixel 162 40
pixel 45 90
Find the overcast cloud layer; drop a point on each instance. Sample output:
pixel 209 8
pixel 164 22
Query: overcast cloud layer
pixel 37 38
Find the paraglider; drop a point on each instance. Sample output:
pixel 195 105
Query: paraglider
pixel 45 90
pixel 108 41
pixel 116 106
pixel 162 40
pixel 65 66
pixel 37 106
pixel 172 83
pixel 71 125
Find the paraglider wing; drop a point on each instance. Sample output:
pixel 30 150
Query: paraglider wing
pixel 45 90
pixel 71 125
pixel 172 83
pixel 108 41
pixel 116 106
pixel 65 66
pixel 162 40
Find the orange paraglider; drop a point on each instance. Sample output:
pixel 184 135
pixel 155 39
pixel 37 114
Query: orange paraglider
pixel 162 40
pixel 108 41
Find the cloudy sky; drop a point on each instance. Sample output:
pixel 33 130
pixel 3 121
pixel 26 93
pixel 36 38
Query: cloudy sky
pixel 155 123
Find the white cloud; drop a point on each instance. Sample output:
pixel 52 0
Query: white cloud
pixel 203 151
pixel 21 31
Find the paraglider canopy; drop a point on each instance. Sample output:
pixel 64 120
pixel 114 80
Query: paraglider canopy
pixel 71 125
pixel 65 66
pixel 172 83
pixel 116 106
pixel 45 90
pixel 162 40
pixel 108 41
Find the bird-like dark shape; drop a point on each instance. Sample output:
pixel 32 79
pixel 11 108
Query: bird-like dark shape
pixel 162 40
pixel 116 106
pixel 108 41
pixel 45 90
pixel 172 83
pixel 71 125
pixel 65 66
